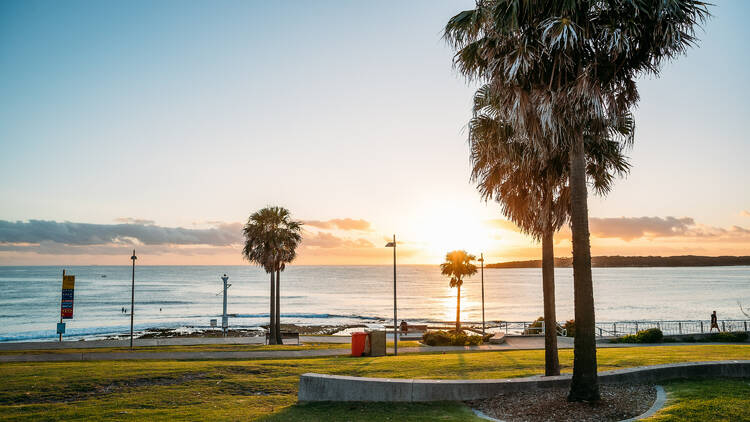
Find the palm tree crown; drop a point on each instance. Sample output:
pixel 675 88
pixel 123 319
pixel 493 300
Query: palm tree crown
pixel 530 179
pixel 271 238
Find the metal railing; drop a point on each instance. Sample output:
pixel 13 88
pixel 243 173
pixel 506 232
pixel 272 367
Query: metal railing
pixel 677 327
pixel 621 328
pixel 523 327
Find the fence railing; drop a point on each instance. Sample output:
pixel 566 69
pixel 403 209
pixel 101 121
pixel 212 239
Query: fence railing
pixel 621 328
pixel 678 327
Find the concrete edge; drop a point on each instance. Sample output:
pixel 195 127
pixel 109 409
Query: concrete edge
pixel 322 387
pixel 661 399
pixel 485 416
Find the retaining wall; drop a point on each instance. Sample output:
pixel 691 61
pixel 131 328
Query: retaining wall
pixel 321 387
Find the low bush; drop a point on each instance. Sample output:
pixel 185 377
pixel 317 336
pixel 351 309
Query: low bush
pixel 722 337
pixel 570 328
pixel 436 338
pixel 458 338
pixel 729 337
pixel 474 340
pixel 450 338
pixel 651 335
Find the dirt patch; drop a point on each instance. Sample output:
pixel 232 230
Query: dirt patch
pixel 618 402
pixel 243 370
pixel 148 382
pixel 82 392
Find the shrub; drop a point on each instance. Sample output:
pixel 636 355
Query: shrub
pixel 474 340
pixel 729 337
pixel 458 339
pixel 436 338
pixel 570 328
pixel 651 335
pixel 450 338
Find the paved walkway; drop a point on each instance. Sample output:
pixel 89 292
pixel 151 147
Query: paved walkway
pixel 149 342
pixel 512 343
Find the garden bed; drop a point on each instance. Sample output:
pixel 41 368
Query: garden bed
pixel 618 402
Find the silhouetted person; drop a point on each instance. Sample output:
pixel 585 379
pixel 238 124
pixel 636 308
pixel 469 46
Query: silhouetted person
pixel 714 323
pixel 403 327
pixel 123 309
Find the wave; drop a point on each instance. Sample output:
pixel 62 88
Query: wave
pixel 310 316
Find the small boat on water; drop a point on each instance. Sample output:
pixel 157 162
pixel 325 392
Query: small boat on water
pixel 104 275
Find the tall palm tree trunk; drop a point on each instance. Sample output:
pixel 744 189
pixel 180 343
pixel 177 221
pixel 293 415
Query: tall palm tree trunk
pixel 584 385
pixel 272 313
pixel 458 309
pixel 551 361
pixel 277 333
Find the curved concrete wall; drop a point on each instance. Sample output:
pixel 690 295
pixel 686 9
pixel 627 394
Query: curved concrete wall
pixel 321 387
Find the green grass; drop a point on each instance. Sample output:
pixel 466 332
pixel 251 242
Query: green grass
pixel 202 348
pixel 267 388
pixel 706 400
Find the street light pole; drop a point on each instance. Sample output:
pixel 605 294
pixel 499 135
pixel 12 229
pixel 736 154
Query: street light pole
pixel 132 299
pixel 395 319
pixel 481 261
pixel 224 319
pixel 395 315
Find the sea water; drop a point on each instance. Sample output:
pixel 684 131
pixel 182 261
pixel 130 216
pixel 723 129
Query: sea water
pixel 190 296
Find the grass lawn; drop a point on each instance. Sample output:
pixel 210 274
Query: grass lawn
pixel 706 400
pixel 258 389
pixel 204 348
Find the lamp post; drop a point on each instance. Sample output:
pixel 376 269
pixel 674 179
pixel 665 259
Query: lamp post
pixel 224 319
pixel 132 299
pixel 481 261
pixel 395 319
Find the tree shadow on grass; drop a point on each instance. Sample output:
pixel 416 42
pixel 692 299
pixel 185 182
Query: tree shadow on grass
pixel 366 411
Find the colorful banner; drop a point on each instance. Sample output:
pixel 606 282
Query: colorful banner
pixel 66 304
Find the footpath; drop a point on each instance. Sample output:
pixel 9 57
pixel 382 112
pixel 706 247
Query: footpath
pixel 35 350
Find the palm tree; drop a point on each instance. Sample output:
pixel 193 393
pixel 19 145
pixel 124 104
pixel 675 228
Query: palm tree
pixel 531 185
pixel 458 265
pixel 271 238
pixel 562 69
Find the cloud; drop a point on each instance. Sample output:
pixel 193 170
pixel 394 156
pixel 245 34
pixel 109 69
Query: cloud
pixel 329 241
pixel 678 229
pixel 629 228
pixel 340 224
pixel 745 213
pixel 80 234
pixel 130 220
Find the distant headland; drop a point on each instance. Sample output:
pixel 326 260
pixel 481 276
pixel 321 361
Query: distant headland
pixel 636 261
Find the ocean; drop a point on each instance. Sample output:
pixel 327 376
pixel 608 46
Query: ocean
pixel 189 296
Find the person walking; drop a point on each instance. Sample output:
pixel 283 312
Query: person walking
pixel 714 323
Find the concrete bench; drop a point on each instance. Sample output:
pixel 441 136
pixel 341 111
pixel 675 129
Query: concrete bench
pixel 284 335
pixel 412 332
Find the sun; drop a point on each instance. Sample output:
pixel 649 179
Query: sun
pixel 439 229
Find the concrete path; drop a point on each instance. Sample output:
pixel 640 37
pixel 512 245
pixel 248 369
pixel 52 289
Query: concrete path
pixel 149 342
pixel 512 343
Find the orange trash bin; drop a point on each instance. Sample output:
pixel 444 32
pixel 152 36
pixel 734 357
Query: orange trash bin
pixel 358 343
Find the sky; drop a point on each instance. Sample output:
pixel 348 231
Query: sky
pixel 162 125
